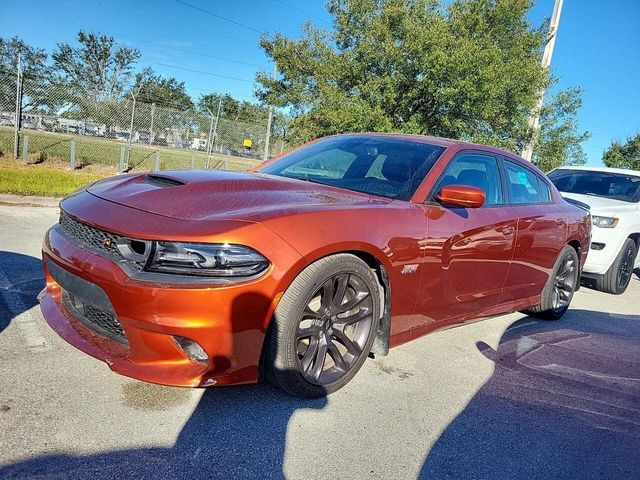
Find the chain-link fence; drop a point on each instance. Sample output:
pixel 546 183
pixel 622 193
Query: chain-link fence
pixel 126 134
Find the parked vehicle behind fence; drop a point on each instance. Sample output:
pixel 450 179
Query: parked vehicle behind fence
pixel 296 272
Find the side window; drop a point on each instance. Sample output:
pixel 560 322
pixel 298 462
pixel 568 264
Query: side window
pixel 525 186
pixel 545 193
pixel 475 170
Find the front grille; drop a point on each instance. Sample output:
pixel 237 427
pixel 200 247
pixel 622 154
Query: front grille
pixel 99 241
pixel 85 234
pixel 100 321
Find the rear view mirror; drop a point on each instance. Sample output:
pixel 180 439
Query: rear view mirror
pixel 461 196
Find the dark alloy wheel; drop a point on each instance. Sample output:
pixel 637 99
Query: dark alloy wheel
pixel 617 278
pixel 626 268
pixel 324 327
pixel 334 328
pixel 560 287
pixel 564 283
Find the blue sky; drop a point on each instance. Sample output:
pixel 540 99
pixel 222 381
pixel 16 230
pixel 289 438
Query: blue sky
pixel 598 45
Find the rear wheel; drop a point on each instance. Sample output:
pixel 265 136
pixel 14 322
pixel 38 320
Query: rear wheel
pixel 323 327
pixel 560 287
pixel 617 278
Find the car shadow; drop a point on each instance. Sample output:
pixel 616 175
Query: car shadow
pixel 563 402
pixel 21 279
pixel 234 432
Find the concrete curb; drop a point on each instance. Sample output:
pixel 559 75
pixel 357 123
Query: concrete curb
pixel 28 201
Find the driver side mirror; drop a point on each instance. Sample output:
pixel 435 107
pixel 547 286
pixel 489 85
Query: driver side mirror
pixel 461 196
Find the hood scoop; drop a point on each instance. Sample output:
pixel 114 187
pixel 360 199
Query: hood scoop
pixel 162 181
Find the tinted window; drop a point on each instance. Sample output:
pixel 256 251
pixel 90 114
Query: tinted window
pixel 545 192
pixel 599 184
pixel 525 186
pixel 476 170
pixel 371 164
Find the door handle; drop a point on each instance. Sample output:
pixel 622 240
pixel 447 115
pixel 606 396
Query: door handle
pixel 507 231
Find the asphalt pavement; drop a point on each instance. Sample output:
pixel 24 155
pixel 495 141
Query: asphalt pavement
pixel 509 397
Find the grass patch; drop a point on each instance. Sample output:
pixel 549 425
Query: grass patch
pixel 96 157
pixel 41 181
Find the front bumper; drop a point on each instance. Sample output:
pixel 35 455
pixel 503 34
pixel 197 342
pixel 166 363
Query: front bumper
pixel 599 261
pixel 228 322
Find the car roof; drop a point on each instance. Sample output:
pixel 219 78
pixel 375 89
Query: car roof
pixel 623 171
pixel 440 141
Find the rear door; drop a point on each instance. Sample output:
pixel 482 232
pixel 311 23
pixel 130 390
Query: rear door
pixel 467 250
pixel 541 231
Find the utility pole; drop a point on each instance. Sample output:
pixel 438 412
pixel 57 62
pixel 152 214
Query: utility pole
pixel 18 119
pixel 265 157
pixel 133 112
pixel 534 120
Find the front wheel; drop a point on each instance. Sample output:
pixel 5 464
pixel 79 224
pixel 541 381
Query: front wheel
pixel 617 278
pixel 323 327
pixel 560 287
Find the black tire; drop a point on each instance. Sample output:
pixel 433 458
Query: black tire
pixel 560 287
pixel 299 335
pixel 617 278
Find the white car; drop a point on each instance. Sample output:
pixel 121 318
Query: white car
pixel 613 194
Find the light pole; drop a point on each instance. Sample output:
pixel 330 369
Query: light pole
pixel 534 120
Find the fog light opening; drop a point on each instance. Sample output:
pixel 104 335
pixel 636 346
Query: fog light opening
pixel 192 349
pixel 597 246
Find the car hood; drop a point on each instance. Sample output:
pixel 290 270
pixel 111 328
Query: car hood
pixel 197 194
pixel 603 206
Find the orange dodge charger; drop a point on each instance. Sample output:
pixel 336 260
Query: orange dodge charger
pixel 299 270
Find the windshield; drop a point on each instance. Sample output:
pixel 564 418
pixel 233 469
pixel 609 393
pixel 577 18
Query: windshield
pixel 376 165
pixel 616 186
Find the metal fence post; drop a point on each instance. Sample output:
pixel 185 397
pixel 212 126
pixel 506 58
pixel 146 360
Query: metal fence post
pixel 18 117
pixel 25 149
pixel 193 163
pixel 122 152
pixel 153 112
pixel 157 165
pixel 209 138
pixel 133 113
pixel 72 156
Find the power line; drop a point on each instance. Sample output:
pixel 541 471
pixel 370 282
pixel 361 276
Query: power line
pixel 159 63
pixel 297 9
pixel 189 27
pixel 610 99
pixel 219 16
pixel 202 72
pixel 150 42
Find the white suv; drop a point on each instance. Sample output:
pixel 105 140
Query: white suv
pixel 614 197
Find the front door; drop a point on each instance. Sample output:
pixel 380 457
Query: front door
pixel 468 250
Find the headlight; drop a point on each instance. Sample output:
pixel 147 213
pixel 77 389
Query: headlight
pixel 207 260
pixel 604 222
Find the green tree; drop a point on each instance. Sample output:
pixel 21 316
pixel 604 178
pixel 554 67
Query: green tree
pixel 559 142
pixel 468 69
pixel 624 155
pixel 36 81
pixel 98 69
pixel 167 92
pixel 233 109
